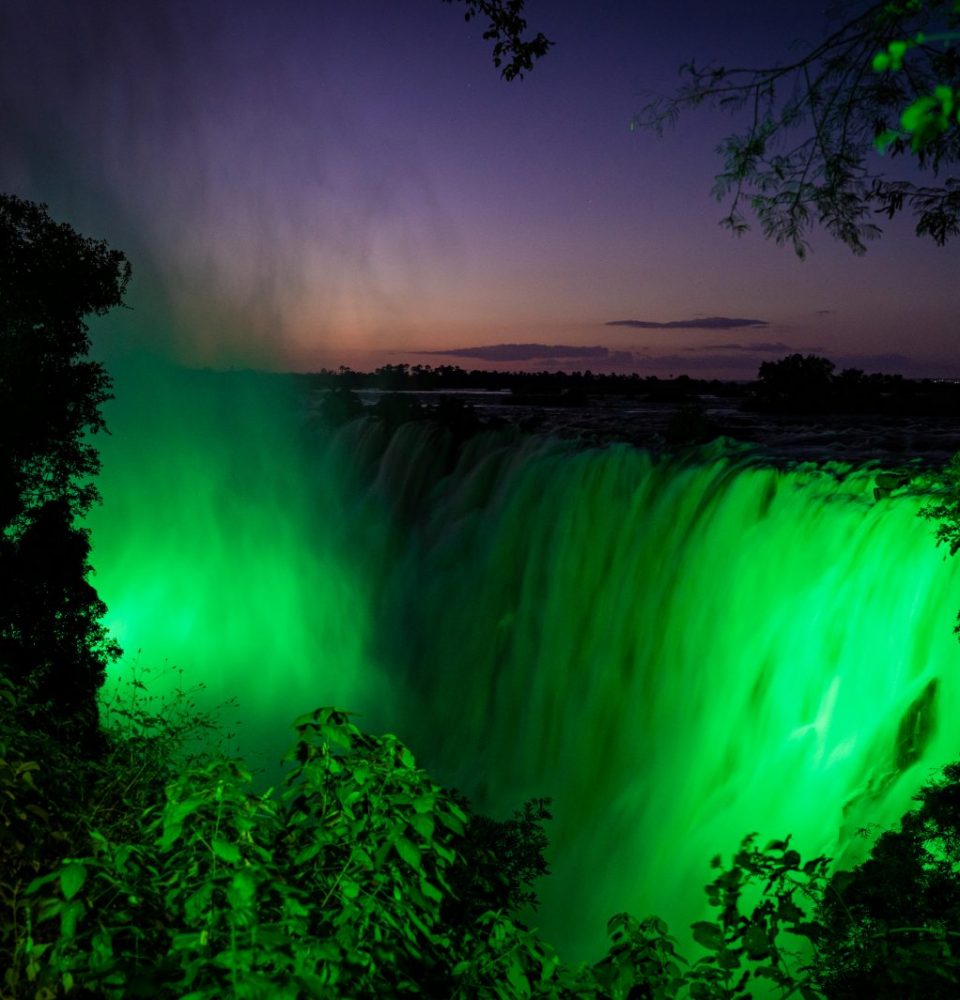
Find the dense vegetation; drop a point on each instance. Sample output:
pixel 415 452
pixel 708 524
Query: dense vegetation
pixel 51 642
pixel 137 858
pixel 794 384
pixel 157 870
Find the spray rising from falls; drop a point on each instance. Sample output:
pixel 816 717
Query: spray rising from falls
pixel 679 652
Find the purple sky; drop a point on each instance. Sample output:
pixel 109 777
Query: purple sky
pixel 308 183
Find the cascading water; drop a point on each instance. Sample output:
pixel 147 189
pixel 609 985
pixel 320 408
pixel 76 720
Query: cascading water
pixel 678 651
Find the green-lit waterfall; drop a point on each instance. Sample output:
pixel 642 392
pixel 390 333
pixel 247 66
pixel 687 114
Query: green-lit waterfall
pixel 678 652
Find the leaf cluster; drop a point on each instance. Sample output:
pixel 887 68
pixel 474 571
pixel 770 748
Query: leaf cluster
pixel 943 504
pixel 197 885
pixel 161 871
pixel 803 157
pixel 52 644
pixel 506 27
pixel 891 927
pixel 51 278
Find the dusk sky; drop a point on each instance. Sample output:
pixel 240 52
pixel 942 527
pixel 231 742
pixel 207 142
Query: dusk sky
pixel 309 183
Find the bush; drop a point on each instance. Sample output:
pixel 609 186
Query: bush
pixel 159 871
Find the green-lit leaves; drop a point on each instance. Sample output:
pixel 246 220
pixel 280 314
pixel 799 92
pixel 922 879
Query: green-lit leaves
pixel 892 58
pixel 72 878
pixel 747 940
pixel 642 952
pixel 409 852
pixel 176 812
pixel 707 934
pixel 225 850
pixel 803 155
pixel 930 116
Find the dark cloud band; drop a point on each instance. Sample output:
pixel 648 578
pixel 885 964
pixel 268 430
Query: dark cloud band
pixel 706 323
pixel 525 352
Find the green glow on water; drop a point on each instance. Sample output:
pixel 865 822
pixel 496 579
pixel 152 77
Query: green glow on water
pixel 679 653
pixel 218 552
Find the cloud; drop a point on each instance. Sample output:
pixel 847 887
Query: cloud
pixel 886 363
pixel 770 347
pixel 530 352
pixel 733 365
pixel 706 323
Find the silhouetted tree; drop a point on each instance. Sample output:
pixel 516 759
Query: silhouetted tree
pixel 799 381
pixel 886 78
pixel 52 644
pixel 891 923
pixel 505 28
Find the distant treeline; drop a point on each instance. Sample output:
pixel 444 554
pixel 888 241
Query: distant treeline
pixel 575 386
pixel 796 384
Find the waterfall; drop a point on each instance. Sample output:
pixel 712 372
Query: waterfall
pixel 679 651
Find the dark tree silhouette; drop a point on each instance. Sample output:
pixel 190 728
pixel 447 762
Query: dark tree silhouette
pixel 52 644
pixel 505 28
pixel 887 77
pixel 799 381
pixel 890 925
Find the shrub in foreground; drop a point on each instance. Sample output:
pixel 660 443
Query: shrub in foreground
pixel 171 876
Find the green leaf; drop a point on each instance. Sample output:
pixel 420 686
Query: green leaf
pixel 171 834
pixel 197 902
pixel 327 951
pixel 242 891
pixel 226 851
pixel 916 114
pixel 755 941
pixel 72 878
pixel 430 890
pixel 307 854
pixel 516 978
pixel 424 825
pixel 188 942
pixel 69 915
pixel 39 883
pixel 708 934
pixel 409 852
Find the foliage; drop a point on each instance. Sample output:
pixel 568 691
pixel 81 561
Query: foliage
pixel 498 863
pixel 892 925
pixel 505 28
pixel 804 157
pixel 333 888
pixel 745 945
pixel 795 382
pixel 161 871
pixel 51 641
pixel 943 505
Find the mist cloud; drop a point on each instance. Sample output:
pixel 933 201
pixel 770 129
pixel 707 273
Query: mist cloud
pixel 705 323
pixel 770 347
pixel 258 211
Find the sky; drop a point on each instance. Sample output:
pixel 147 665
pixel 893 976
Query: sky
pixel 307 183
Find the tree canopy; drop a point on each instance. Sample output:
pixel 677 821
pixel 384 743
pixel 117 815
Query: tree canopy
pixel 886 79
pixel 51 642
pixel 506 27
